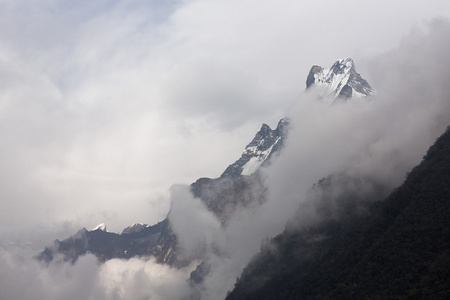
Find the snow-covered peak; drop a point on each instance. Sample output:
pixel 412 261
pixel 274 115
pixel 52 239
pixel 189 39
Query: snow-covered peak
pixel 341 81
pixel 101 227
pixel 136 227
pixel 346 63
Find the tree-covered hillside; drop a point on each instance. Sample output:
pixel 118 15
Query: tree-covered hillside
pixel 396 248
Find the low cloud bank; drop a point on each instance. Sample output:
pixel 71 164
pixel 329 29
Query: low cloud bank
pixel 22 277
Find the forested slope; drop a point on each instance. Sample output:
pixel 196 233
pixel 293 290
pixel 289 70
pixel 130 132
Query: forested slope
pixel 399 248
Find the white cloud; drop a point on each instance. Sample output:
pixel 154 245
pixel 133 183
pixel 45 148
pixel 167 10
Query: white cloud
pixel 379 141
pixel 22 277
pixel 105 105
pixel 197 228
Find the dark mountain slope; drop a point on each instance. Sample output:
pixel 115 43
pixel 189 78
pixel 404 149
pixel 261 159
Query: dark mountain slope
pixel 398 249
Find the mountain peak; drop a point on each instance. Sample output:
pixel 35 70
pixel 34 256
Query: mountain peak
pixel 340 82
pixel 259 150
pixel 236 187
pixel 101 227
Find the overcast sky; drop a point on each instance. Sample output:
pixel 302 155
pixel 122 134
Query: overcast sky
pixel 105 104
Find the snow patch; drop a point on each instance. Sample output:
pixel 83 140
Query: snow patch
pixel 258 158
pixel 101 227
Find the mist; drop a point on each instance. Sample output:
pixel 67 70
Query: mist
pixel 378 141
pixel 23 277
pixel 104 107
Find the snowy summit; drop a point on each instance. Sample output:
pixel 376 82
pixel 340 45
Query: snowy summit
pixel 341 81
pixel 101 227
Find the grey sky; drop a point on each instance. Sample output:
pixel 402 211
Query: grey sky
pixel 104 106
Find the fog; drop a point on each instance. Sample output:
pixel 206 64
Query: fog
pixel 103 107
pixel 23 277
pixel 380 140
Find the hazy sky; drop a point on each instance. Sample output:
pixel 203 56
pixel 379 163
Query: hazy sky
pixel 105 104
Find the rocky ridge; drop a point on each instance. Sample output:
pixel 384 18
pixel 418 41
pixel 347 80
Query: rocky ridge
pixel 239 186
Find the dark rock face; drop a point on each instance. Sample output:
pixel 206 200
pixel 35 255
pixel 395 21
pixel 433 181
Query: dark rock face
pixel 311 79
pixel 346 92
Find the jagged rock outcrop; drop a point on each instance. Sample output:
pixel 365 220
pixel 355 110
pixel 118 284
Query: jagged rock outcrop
pixel 259 151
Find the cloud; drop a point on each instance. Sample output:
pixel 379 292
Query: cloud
pixel 375 142
pixel 196 227
pixel 380 140
pixel 22 277
pixel 139 279
pixel 104 106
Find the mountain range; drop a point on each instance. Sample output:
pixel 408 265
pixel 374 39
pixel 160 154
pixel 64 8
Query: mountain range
pixel 365 245
pixel 222 195
pixel 367 241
